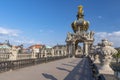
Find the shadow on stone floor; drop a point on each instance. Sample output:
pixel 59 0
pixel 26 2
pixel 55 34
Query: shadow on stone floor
pixel 63 69
pixel 73 62
pixel 49 76
pixel 68 65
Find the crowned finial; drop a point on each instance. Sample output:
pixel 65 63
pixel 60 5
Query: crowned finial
pixel 80 9
pixel 80 24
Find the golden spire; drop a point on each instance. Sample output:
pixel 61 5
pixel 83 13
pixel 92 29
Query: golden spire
pixel 80 9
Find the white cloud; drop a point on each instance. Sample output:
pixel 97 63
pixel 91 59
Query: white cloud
pixel 9 32
pixel 31 42
pixel 113 37
pixel 15 39
pixel 27 41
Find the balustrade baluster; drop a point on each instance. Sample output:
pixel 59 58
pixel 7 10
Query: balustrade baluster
pixel 16 64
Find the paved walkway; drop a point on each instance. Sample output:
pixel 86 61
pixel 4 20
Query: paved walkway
pixel 65 69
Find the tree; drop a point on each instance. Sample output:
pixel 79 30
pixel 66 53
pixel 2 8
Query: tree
pixel 117 56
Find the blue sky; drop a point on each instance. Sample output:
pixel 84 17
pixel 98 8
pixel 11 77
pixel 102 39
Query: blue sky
pixel 48 21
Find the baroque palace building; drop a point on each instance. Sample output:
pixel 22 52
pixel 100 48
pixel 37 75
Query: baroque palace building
pixel 57 50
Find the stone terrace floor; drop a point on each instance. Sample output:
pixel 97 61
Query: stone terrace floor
pixel 65 69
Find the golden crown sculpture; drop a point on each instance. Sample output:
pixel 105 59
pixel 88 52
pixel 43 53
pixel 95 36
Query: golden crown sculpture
pixel 80 23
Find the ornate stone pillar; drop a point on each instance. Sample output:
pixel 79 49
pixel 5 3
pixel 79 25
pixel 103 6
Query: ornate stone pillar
pixel 33 53
pixel 73 51
pixel 85 48
pixel 14 53
pixel 89 47
pixel 52 52
pixel 68 49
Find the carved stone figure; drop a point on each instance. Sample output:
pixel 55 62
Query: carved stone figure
pixel 91 34
pixel 69 37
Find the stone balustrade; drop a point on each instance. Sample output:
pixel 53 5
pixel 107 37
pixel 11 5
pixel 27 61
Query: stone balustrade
pixel 17 56
pixel 10 56
pixel 4 56
pixel 24 56
pixel 16 64
pixel 95 71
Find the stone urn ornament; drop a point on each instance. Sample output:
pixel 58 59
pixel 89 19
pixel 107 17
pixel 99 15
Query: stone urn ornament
pixel 105 54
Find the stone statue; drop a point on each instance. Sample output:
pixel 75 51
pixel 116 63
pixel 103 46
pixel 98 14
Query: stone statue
pixel 69 37
pixel 93 53
pixel 91 34
pixel 80 10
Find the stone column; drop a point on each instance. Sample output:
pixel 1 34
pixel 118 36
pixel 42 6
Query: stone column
pixel 13 56
pixel 85 48
pixel 62 52
pixel 90 48
pixel 14 53
pixel 52 51
pixel 45 53
pixel 73 49
pixel 33 55
pixel 69 50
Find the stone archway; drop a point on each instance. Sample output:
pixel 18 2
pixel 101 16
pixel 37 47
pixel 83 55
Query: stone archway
pixel 80 35
pixel 79 49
